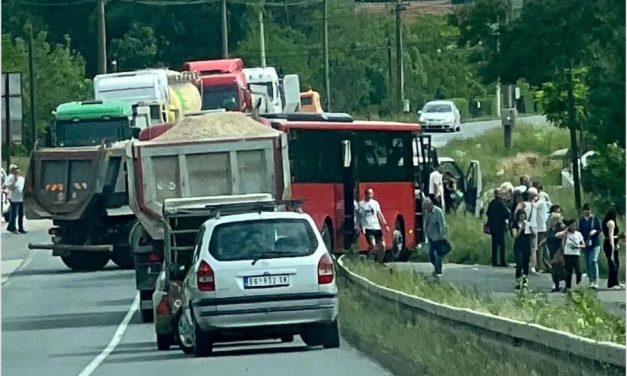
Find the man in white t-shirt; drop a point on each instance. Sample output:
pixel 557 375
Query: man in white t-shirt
pixel 371 218
pixel 436 187
pixel 15 184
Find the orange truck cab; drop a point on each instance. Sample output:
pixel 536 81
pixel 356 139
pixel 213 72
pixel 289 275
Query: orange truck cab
pixel 310 102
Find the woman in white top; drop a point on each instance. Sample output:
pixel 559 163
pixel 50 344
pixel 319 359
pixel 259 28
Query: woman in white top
pixel 572 243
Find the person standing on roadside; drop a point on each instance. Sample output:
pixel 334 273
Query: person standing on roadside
pixel 524 184
pixel 590 228
pixel 527 205
pixel 436 186
pixel 498 221
pixel 371 220
pixel 538 219
pixel 16 195
pixel 435 230
pixel 522 248
pixel 573 244
pixel 554 226
pixel 610 248
pixel 542 193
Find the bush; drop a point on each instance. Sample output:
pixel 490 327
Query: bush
pixel 462 105
pixel 488 106
pixel 604 177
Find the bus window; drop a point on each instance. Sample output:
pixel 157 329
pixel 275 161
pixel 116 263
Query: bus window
pixel 315 156
pixel 385 156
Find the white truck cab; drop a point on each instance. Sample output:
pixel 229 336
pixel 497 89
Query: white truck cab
pixel 264 83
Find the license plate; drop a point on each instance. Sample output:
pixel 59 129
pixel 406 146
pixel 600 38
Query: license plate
pixel 266 281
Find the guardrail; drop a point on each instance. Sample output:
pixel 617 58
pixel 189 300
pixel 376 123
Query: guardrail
pixel 581 347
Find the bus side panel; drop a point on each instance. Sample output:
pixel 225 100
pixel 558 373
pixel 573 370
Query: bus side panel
pixel 396 199
pixel 320 202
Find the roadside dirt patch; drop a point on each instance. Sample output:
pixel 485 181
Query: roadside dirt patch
pixel 520 164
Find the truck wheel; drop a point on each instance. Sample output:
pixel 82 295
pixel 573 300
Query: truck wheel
pixel 330 335
pixel 164 341
pixel 122 257
pixel 147 314
pixel 86 261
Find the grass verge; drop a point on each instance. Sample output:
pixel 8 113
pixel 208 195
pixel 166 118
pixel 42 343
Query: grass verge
pixel 409 343
pixel 583 314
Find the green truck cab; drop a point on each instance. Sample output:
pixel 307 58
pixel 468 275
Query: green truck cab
pixel 87 123
pixel 77 179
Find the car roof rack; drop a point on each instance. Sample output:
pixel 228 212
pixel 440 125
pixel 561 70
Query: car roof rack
pixel 217 206
pixel 311 116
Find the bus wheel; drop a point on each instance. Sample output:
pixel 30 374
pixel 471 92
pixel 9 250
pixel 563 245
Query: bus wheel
pixel 327 236
pixel 398 242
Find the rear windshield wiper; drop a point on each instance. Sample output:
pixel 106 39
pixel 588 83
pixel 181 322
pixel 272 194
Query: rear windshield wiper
pixel 275 253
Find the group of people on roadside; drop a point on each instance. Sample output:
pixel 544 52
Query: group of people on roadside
pixel 13 195
pixel 545 241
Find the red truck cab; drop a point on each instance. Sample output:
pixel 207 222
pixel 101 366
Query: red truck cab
pixel 224 84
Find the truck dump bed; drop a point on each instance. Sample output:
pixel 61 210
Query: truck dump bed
pixel 212 154
pixel 68 183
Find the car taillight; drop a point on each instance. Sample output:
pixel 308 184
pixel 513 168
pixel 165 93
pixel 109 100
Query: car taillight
pixel 205 277
pixel 153 257
pixel 326 272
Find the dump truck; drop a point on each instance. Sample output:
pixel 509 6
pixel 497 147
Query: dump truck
pixel 163 95
pixel 77 180
pixel 224 84
pixel 206 154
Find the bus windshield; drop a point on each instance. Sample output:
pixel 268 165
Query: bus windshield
pixel 91 132
pixel 382 156
pixel 215 97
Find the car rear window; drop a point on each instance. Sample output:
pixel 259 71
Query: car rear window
pixel 270 238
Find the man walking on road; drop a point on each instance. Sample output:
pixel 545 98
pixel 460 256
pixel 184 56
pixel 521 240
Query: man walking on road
pixel 435 230
pixel 371 220
pixel 498 220
pixel 15 184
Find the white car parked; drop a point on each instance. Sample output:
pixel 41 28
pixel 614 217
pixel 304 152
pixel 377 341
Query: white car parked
pixel 258 276
pixel 441 115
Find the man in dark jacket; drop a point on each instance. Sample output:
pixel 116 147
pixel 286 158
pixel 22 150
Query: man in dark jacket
pixel 498 220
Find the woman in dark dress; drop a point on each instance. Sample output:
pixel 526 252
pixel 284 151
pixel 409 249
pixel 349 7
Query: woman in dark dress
pixel 522 249
pixel 610 248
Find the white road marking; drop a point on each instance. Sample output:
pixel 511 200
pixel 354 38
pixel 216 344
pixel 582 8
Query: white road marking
pixel 21 264
pixel 117 336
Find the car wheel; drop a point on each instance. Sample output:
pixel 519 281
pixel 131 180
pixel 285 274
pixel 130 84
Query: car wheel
pixel 287 339
pixel 164 341
pixel 203 346
pixel 330 335
pixel 180 333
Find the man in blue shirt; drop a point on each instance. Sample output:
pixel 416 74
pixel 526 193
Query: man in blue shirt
pixel 590 228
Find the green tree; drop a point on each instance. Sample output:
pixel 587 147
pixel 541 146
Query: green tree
pixel 553 99
pixel 59 74
pixel 137 49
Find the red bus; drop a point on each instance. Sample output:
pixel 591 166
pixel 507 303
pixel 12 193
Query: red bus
pixel 332 158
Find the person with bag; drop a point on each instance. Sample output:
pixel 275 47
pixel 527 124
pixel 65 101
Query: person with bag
pixel 496 227
pixel 572 246
pixel 555 224
pixel 522 248
pixel 590 228
pixel 435 230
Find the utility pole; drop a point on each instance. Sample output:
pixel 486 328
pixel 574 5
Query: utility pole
pixel 102 37
pixel 325 37
pixel 7 119
pixel 262 40
pixel 31 79
pixel 390 74
pixel 498 79
pixel 225 32
pixel 574 150
pixel 400 7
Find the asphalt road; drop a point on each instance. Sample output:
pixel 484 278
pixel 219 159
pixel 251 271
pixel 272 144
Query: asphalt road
pixel 58 322
pixel 473 129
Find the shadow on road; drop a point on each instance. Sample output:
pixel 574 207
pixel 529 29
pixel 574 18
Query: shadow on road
pixel 76 320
